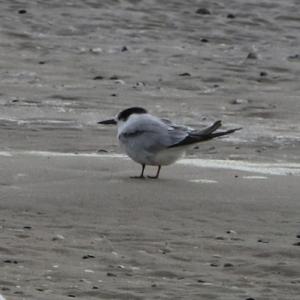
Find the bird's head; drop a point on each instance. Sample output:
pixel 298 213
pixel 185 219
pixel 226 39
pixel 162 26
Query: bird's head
pixel 124 115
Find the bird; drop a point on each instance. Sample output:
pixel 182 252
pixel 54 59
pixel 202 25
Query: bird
pixel 150 140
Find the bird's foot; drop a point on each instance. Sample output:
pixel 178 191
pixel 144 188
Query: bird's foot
pixel 138 177
pixel 152 177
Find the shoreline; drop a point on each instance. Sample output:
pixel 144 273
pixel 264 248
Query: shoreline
pixel 269 168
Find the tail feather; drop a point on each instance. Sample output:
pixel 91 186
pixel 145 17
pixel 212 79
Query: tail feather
pixel 221 133
pixel 205 135
pixel 212 128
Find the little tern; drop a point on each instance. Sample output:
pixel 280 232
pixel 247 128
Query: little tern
pixel 149 140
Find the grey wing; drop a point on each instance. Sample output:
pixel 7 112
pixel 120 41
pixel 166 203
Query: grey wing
pixel 153 136
pixel 176 126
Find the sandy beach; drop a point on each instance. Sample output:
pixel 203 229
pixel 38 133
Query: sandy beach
pixel 78 226
pixel 223 223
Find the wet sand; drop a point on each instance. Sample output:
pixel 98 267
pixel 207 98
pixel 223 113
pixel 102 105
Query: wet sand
pixel 222 223
pixel 78 226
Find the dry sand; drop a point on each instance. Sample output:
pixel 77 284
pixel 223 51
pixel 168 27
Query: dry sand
pixel 222 224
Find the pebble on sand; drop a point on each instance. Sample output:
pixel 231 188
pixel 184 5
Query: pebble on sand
pixel 98 77
pixel 22 11
pixel 58 237
pixel 201 281
pixel 88 256
pixel 239 101
pixel 230 16
pixel 264 241
pixel 184 74
pixel 214 265
pixel 252 55
pixel 102 151
pixel 9 261
pixel 140 83
pixel 222 238
pixel 114 77
pixel 263 74
pixel 203 11
pixel 228 265
pixel 294 57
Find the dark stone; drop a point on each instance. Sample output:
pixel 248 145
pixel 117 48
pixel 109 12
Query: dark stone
pixel 88 256
pixel 113 95
pixel 294 57
pixel 239 101
pixel 263 74
pixel 230 16
pixel 236 176
pixel 204 40
pixel 22 11
pixel 9 261
pixel 139 84
pixel 251 55
pixel 102 151
pixel 71 296
pixel 236 239
pixel 114 77
pixel 42 62
pixel 214 265
pixel 201 281
pixel 124 49
pixel 298 236
pixel 228 265
pixel 109 274
pixel 203 11
pixel 98 77
pixel 27 227
pixel 95 288
pixel 153 285
pixel 263 241
pixel 19 293
pixel 297 244
pixel 250 299
pixel 184 74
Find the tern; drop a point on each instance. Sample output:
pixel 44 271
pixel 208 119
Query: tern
pixel 149 140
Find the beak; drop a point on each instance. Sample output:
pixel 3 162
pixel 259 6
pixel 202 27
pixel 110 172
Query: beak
pixel 108 122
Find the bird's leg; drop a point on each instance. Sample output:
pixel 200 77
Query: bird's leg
pixel 157 173
pixel 142 174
